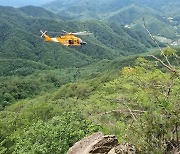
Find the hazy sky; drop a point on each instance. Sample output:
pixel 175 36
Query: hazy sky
pixel 19 3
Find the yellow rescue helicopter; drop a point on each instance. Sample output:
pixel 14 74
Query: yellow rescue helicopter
pixel 65 38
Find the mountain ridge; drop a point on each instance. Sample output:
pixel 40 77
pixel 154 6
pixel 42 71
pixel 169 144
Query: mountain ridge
pixel 122 12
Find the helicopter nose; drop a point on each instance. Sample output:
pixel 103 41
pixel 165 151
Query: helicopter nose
pixel 83 43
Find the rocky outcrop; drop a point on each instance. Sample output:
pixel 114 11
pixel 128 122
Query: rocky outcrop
pixel 98 143
pixel 125 148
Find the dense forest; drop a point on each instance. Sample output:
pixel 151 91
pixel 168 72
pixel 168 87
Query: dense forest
pixel 140 104
pixel 121 83
pixel 124 12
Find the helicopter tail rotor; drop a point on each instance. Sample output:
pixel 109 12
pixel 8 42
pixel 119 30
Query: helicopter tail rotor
pixel 43 33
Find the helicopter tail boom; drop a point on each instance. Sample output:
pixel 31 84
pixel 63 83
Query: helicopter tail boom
pixel 47 38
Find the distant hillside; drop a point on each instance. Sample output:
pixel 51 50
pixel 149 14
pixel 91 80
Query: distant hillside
pixel 156 12
pixel 97 6
pixel 21 39
pixel 20 3
pixel 163 6
pixel 39 12
pixel 133 15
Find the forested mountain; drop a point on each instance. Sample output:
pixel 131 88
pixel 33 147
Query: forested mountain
pixel 132 103
pixel 51 96
pixel 168 7
pixel 23 52
pixel 125 12
pixel 39 12
pixel 21 39
pixel 20 3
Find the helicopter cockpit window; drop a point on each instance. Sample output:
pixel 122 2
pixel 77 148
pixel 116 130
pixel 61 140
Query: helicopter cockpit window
pixel 71 42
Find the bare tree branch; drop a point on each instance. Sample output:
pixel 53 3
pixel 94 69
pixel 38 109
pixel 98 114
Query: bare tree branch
pixel 123 111
pixel 169 90
pixel 132 114
pixel 168 67
pixel 144 25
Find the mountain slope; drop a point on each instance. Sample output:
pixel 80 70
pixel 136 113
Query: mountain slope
pixel 20 39
pixel 131 104
pixel 108 6
pixel 20 3
pixel 124 12
pixel 51 95
pixel 29 66
pixel 133 16
pixel 39 12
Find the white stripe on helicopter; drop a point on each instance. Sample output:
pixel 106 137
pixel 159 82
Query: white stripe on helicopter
pixel 55 39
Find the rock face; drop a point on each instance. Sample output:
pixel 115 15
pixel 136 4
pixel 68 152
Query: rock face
pixel 97 143
pixel 125 148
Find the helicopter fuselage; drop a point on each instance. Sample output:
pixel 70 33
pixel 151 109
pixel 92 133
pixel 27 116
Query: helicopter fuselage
pixel 66 40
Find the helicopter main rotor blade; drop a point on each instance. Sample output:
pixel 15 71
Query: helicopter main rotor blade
pixel 82 33
pixel 56 33
pixel 64 32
